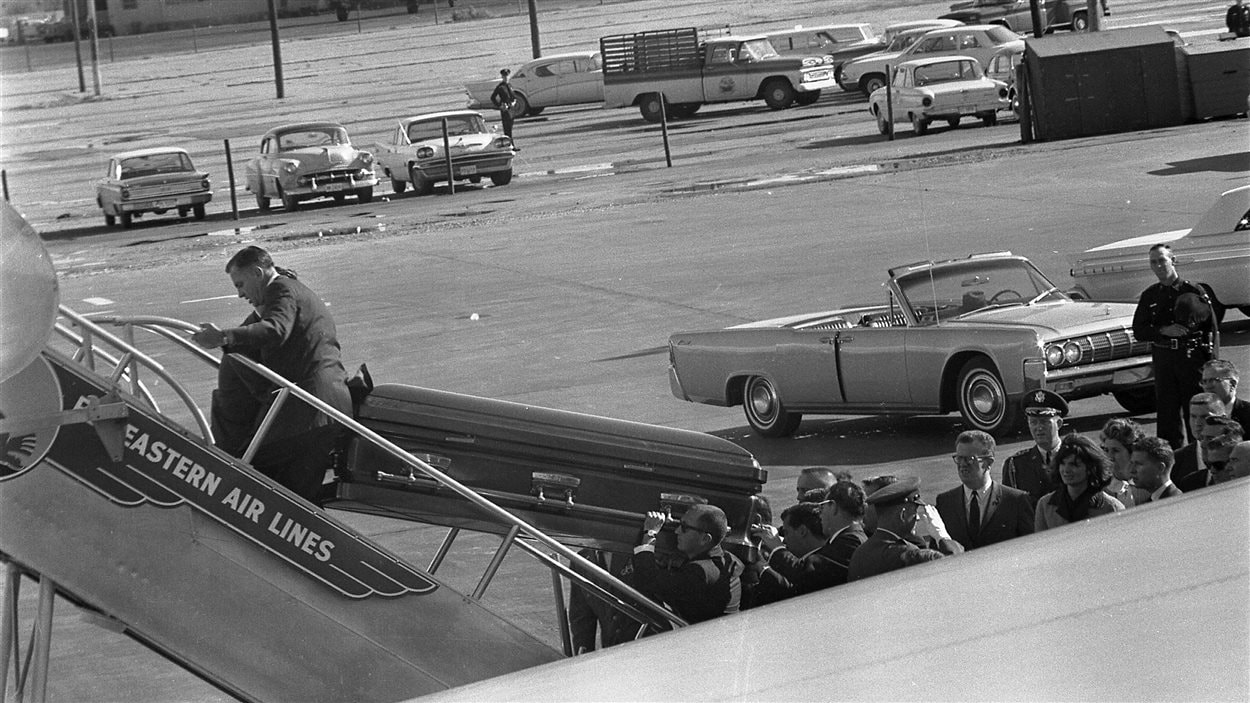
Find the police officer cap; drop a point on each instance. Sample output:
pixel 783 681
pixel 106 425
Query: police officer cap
pixel 504 71
pixel 901 491
pixel 1044 403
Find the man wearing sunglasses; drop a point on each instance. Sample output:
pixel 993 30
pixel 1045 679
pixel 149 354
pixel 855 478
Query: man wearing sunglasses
pixel 1219 378
pixel 901 514
pixel 1219 435
pixel 981 511
pixel 708 584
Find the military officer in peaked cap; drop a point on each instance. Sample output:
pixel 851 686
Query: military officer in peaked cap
pixel 901 515
pixel 1026 470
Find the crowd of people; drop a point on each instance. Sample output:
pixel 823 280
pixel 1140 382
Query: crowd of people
pixel 840 530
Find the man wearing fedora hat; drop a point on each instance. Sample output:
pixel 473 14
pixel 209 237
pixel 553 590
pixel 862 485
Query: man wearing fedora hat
pixel 1026 469
pixel 901 515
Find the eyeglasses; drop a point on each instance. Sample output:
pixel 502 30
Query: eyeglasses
pixel 1210 381
pixel 961 460
pixel 683 527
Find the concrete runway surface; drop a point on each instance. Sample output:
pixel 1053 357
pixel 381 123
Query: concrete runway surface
pixel 580 270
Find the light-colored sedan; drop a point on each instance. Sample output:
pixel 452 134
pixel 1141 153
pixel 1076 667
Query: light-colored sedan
pixel 153 180
pixel 944 88
pixel 979 41
pixel 420 147
pixel 550 81
pixel 306 161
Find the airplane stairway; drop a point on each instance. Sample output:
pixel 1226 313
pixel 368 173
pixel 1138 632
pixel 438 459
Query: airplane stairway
pixel 111 503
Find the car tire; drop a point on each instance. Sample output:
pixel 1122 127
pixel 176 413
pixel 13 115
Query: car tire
pixel 989 119
pixel 262 203
pixel 778 94
pixel 884 126
pixel 982 399
pixel 290 203
pixel 652 107
pixel 953 122
pixel 125 219
pixel 764 410
pixel 808 98
pixel 1137 401
pixel 364 195
pixel 871 83
pixel 182 213
pixel 919 124
pixel 535 111
pixel 198 211
pixel 398 186
pixel 420 184
pixel 502 178
pixel 521 107
pixel 1080 22
pixel 109 220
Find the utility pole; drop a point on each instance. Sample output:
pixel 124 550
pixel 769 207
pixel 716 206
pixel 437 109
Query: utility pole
pixel 277 48
pixel 95 45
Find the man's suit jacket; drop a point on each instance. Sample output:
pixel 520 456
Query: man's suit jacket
pixel 1241 413
pixel 1008 514
pixel 1185 461
pixel 1170 492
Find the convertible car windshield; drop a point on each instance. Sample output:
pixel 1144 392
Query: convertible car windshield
pixel 943 293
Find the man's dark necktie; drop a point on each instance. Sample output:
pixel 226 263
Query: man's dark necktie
pixel 974 518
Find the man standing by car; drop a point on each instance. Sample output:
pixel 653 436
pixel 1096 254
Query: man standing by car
pixel 503 98
pixel 1179 347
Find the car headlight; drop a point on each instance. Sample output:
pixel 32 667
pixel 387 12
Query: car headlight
pixel 1054 355
pixel 125 193
pixel 366 157
pixel 425 152
pixel 205 184
pixel 1002 93
pixel 290 167
pixel 926 101
pixel 502 143
pixel 1071 352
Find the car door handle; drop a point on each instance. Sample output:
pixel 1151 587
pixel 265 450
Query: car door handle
pixel 846 338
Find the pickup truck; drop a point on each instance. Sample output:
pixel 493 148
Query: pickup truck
pixel 1016 15
pixel 675 72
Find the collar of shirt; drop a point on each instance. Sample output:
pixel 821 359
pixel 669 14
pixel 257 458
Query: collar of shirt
pixel 835 534
pixel 1158 493
pixel 891 533
pixel 983 495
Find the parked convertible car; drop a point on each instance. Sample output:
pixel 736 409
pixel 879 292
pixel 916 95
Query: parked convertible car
pixel 944 88
pixel 979 41
pixel 155 180
pixel 550 81
pixel 1214 253
pixel 306 161
pixel 972 334
pixel 416 154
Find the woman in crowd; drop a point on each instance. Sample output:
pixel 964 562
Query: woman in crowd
pixel 1117 439
pixel 1082 471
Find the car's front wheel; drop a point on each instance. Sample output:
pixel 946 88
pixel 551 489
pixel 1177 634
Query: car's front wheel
pixel 983 399
pixel 779 94
pixel 1137 401
pixel 1080 22
pixel 289 202
pixel 364 195
pixel 871 83
pixel 883 125
pixel 764 410
pixel 989 118
pixel 109 220
pixel 126 220
pixel 420 184
pixel 919 125
pixel 398 186
pixel 262 203
pixel 953 122
pixel 502 178
pixel 198 211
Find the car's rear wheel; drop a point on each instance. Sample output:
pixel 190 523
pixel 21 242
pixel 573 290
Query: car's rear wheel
pixel 198 211
pixel 778 94
pixel 989 119
pixel 983 399
pixel 1137 401
pixel 521 107
pixel 420 184
pixel 764 410
pixel 919 125
pixel 502 178
pixel 808 98
pixel 126 220
pixel 1080 22
pixel 651 107
pixel 109 220
pixel 364 195
pixel 683 110
pixel 871 83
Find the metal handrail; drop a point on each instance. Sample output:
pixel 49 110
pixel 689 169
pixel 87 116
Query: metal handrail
pixel 604 586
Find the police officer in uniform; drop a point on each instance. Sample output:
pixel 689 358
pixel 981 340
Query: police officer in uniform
pixel 1182 339
pixel 1026 469
pixel 901 518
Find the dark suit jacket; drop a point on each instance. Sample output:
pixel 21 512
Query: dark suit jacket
pixel 1025 471
pixel 1009 514
pixel 1241 413
pixel 1194 481
pixel 1171 492
pixel 822 568
pixel 1185 461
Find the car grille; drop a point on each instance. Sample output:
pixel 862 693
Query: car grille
pixel 161 190
pixel 324 178
pixel 1109 345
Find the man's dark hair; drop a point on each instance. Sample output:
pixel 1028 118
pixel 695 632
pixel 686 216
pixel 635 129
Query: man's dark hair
pixel 813 495
pixel 804 515
pixel 1163 247
pixel 1232 428
pixel 763 514
pixel 1157 448
pixel 249 256
pixel 849 498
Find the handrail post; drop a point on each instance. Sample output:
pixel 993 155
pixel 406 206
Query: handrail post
pixel 495 562
pixel 270 417
pixel 562 612
pixel 43 640
pixel 8 624
pixel 443 548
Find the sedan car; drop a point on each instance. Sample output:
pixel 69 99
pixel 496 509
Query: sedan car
pixel 154 180
pixel 943 88
pixel 1215 253
pixel 417 154
pixel 309 160
pixel 978 41
pixel 550 81
pixel 972 334
pixel 1002 67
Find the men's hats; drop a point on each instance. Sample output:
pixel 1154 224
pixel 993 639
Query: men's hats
pixel 902 491
pixel 504 71
pixel 1044 403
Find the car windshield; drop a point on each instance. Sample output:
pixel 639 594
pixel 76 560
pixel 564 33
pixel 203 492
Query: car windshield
pixel 945 292
pixel 154 164
pixel 946 72
pixel 902 41
pixel 457 125
pixel 312 137
pixel 1001 35
pixel 757 49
